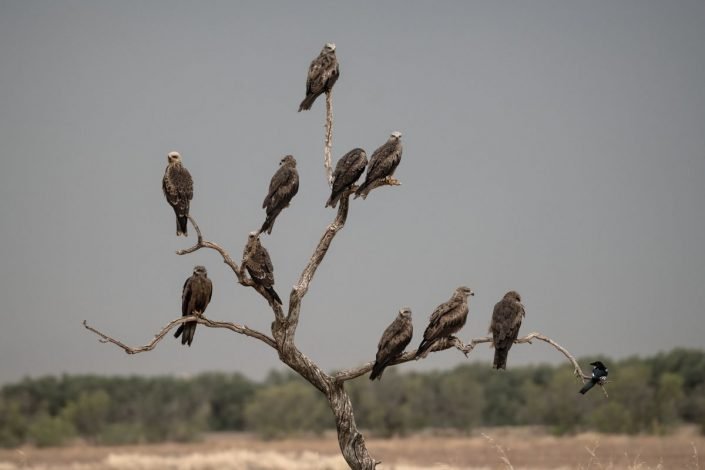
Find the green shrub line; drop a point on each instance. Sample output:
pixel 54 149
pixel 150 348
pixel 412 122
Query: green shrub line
pixel 646 395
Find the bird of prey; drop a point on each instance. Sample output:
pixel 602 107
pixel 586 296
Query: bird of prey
pixel 258 263
pixel 447 319
pixel 394 339
pixel 506 321
pixel 282 188
pixel 347 171
pixel 195 297
pixel 599 376
pixel 383 162
pixel 322 75
pixel 178 189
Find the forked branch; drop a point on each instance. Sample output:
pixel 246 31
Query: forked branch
pixel 238 270
pixel 241 329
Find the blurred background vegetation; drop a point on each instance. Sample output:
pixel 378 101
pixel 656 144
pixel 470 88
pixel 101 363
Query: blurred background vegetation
pixel 651 395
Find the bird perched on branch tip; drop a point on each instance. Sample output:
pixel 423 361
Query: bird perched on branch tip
pixel 347 171
pixel 322 75
pixel 382 164
pixel 599 376
pixel 178 189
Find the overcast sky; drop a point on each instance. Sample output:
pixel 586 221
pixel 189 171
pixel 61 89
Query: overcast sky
pixel 552 147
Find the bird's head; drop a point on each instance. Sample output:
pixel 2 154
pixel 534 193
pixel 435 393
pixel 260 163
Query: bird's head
pixel 405 312
pixel 466 291
pixel 173 157
pixel 288 160
pixel 598 364
pixel 252 235
pixel 200 271
pixel 396 135
pixel 329 47
pixel 513 295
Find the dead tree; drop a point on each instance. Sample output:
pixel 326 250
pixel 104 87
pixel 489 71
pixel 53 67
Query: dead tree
pixel 283 329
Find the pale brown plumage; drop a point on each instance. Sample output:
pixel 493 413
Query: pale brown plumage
pixel 447 319
pixel 195 297
pixel 282 188
pixel 347 171
pixel 259 265
pixel 178 189
pixel 382 164
pixel 322 75
pixel 506 321
pixel 394 340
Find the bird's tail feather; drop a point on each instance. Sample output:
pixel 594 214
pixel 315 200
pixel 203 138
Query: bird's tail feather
pixel 587 387
pixel 307 102
pixel 182 225
pixel 377 370
pixel 333 201
pixel 274 295
pixel 267 225
pixel 500 358
pixel 191 332
pixel 179 330
pixel 423 347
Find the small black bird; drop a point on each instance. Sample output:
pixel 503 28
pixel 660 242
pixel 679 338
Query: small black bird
pixel 599 376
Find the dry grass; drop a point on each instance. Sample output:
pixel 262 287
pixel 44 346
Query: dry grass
pixel 515 448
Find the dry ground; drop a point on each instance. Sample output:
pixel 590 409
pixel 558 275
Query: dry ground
pixel 523 448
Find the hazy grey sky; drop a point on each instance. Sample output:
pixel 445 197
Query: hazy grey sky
pixel 552 147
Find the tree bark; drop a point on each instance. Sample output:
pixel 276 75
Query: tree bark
pixel 351 442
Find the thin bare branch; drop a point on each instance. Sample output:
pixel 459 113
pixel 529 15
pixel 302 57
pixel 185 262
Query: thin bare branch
pixel 201 243
pixel 466 349
pixel 241 329
pixel 329 137
pixel 388 181
pixel 300 289
pixel 440 345
pixel 241 274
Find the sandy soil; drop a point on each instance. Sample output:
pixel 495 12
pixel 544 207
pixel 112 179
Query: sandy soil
pixel 490 449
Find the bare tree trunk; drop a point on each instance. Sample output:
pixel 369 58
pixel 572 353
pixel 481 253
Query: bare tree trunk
pixel 351 442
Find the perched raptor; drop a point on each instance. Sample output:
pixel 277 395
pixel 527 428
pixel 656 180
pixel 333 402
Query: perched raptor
pixel 347 171
pixel 258 263
pixel 599 376
pixel 194 299
pixel 383 162
pixel 447 319
pixel 322 75
pixel 178 189
pixel 506 321
pixel 394 339
pixel 282 188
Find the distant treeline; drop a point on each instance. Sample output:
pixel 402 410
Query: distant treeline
pixel 645 396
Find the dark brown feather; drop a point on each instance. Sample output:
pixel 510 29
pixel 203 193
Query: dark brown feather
pixel 177 185
pixel 195 297
pixel 507 316
pixel 447 319
pixel 383 163
pixel 347 171
pixel 282 188
pixel 259 265
pixel 394 340
pixel 322 75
